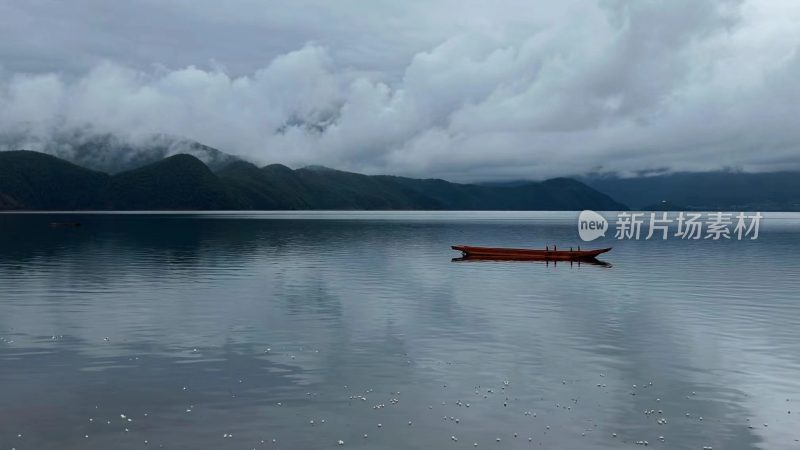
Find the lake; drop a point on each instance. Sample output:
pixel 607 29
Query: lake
pixel 297 330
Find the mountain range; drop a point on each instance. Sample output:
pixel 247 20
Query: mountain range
pixel 81 170
pixel 110 153
pixel 705 191
pixel 38 181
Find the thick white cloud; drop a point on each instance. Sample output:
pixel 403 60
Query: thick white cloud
pixel 456 89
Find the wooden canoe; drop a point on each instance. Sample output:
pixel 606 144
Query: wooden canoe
pixel 475 259
pixel 529 254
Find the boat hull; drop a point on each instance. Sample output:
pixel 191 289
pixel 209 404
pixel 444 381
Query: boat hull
pixel 528 254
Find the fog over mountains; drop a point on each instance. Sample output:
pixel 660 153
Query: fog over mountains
pixel 683 103
pixel 38 181
pixel 465 91
pixel 140 168
pixel 113 153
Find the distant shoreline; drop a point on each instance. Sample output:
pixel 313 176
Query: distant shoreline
pixel 37 181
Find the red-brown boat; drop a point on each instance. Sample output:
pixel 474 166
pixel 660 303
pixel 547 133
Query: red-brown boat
pixel 528 254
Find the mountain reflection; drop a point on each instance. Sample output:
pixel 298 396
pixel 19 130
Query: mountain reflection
pixel 271 324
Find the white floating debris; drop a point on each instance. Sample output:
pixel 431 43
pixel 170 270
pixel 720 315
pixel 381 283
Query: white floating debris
pixel 341 442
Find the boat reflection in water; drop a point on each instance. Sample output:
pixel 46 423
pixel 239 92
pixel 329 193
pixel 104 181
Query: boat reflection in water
pixel 578 262
pixel 547 256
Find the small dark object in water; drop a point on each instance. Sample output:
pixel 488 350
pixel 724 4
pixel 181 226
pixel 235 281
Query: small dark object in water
pixel 65 224
pixel 528 254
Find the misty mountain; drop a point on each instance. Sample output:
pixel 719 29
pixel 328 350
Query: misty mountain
pixel 112 154
pixel 775 191
pixel 36 181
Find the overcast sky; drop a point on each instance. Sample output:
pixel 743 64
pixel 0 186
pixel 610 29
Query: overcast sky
pixel 459 89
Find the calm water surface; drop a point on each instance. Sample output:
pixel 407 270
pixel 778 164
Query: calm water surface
pixel 236 331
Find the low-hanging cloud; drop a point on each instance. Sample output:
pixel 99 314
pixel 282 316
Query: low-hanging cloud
pixel 615 86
